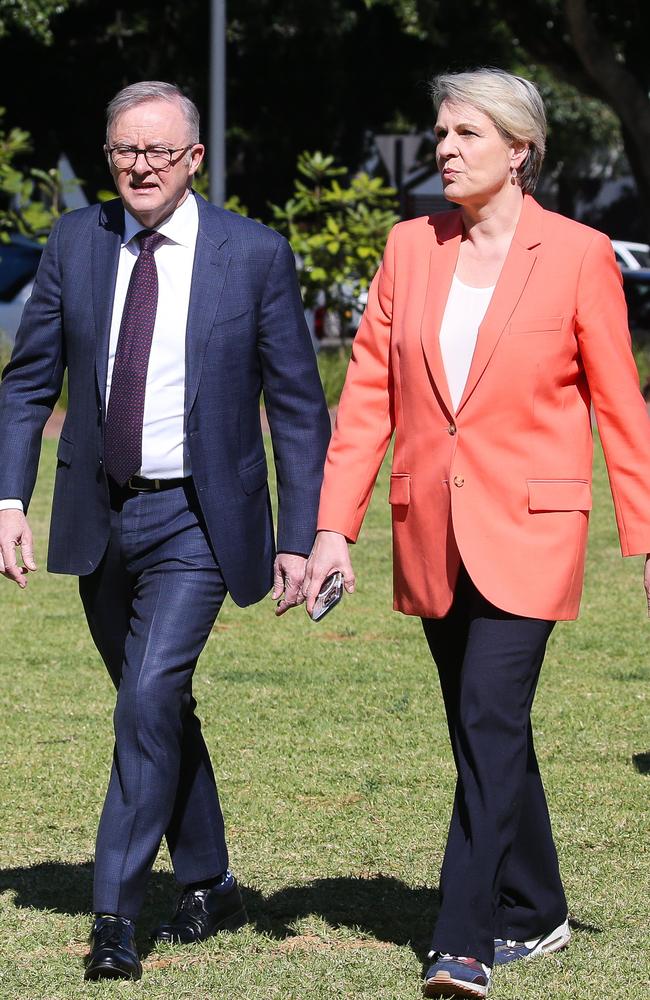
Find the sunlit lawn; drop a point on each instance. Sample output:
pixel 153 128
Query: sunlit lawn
pixel 330 747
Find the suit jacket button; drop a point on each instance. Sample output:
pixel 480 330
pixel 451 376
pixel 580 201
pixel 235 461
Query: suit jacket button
pixel 451 429
pixel 459 481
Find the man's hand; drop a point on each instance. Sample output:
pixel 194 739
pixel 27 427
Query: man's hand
pixel 329 555
pixel 646 581
pixel 15 533
pixel 288 574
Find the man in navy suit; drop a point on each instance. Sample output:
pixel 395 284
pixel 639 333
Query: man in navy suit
pixel 171 317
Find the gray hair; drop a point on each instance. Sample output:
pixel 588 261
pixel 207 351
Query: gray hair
pixel 512 103
pixel 153 90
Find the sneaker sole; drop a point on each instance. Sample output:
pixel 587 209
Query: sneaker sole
pixel 442 985
pixel 545 947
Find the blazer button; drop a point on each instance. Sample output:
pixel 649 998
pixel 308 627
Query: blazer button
pixel 459 481
pixel 451 429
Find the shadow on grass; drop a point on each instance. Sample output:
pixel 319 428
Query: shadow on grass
pixel 641 762
pixel 381 907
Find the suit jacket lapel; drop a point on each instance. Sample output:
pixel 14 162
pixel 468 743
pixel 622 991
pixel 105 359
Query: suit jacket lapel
pixel 211 261
pixel 442 264
pixel 106 241
pixel 515 273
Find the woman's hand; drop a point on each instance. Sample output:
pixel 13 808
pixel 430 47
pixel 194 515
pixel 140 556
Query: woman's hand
pixel 329 555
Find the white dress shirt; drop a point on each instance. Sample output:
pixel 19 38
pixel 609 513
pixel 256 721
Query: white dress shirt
pixel 464 312
pixel 163 432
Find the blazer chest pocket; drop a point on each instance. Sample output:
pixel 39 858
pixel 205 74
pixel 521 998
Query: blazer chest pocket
pixel 64 451
pixel 540 324
pixel 254 477
pixel 399 494
pixel 558 494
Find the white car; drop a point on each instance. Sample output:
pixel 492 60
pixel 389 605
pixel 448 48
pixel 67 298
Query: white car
pixel 632 256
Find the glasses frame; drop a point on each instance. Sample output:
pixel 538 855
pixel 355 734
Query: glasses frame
pixel 136 152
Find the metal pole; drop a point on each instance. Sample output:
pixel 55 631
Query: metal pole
pixel 399 175
pixel 217 103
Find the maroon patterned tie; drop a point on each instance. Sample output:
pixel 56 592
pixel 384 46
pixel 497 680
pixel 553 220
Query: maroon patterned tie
pixel 123 432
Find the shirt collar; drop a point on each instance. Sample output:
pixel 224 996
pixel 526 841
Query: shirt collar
pixel 180 227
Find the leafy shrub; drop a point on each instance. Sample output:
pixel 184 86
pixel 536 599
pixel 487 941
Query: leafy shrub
pixel 332 365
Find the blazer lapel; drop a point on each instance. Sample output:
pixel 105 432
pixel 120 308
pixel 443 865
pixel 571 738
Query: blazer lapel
pixel 106 241
pixel 515 273
pixel 211 262
pixel 442 264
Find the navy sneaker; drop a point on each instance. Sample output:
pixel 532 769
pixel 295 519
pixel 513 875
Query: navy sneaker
pixel 455 976
pixel 510 951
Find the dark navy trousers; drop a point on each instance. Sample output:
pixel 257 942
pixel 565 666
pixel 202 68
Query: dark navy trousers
pixel 500 875
pixel 151 605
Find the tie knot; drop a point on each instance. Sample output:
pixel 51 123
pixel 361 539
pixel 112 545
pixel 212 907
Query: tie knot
pixel 150 240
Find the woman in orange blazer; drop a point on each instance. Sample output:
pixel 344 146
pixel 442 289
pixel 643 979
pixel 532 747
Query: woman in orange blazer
pixel 489 333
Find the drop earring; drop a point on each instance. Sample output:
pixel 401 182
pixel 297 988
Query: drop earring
pixel 513 175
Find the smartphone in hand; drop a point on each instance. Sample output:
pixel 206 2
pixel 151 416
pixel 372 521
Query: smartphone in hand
pixel 329 596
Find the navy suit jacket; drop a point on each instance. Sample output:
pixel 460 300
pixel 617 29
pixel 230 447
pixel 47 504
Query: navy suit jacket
pixel 246 334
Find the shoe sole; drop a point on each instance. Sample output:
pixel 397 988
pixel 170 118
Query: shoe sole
pixel 109 972
pixel 233 922
pixel 442 985
pixel 545 947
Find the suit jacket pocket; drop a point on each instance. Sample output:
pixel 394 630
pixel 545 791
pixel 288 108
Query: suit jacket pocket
pixel 400 489
pixel 64 451
pixel 254 477
pixel 540 324
pixel 558 494
pixel 237 316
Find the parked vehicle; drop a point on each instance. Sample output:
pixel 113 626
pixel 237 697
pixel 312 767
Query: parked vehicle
pixel 636 283
pixel 634 256
pixel 19 260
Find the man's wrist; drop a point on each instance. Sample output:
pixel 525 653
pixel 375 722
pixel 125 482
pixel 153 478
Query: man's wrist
pixel 12 505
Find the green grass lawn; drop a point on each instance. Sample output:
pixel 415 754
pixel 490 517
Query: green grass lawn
pixel 330 747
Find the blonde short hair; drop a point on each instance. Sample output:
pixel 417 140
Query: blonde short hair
pixel 512 103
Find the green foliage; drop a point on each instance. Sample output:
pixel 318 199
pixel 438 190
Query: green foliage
pixel 337 230
pixel 33 16
pixel 642 358
pixel 333 366
pixel 5 351
pixel 30 199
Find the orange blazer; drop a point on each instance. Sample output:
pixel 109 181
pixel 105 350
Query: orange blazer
pixel 504 483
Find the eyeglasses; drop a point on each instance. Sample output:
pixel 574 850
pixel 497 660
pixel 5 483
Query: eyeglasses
pixel 158 157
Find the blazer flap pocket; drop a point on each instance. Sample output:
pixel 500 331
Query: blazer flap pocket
pixel 238 315
pixel 539 324
pixel 254 477
pixel 400 489
pixel 559 494
pixel 64 451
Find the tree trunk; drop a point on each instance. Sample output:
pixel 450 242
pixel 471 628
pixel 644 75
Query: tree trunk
pixel 621 91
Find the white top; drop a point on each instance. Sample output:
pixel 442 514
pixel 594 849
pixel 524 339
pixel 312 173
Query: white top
pixel 163 431
pixel 464 312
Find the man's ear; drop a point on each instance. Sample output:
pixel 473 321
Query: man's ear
pixel 197 153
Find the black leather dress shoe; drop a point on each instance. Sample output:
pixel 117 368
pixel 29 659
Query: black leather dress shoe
pixel 201 913
pixel 112 950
